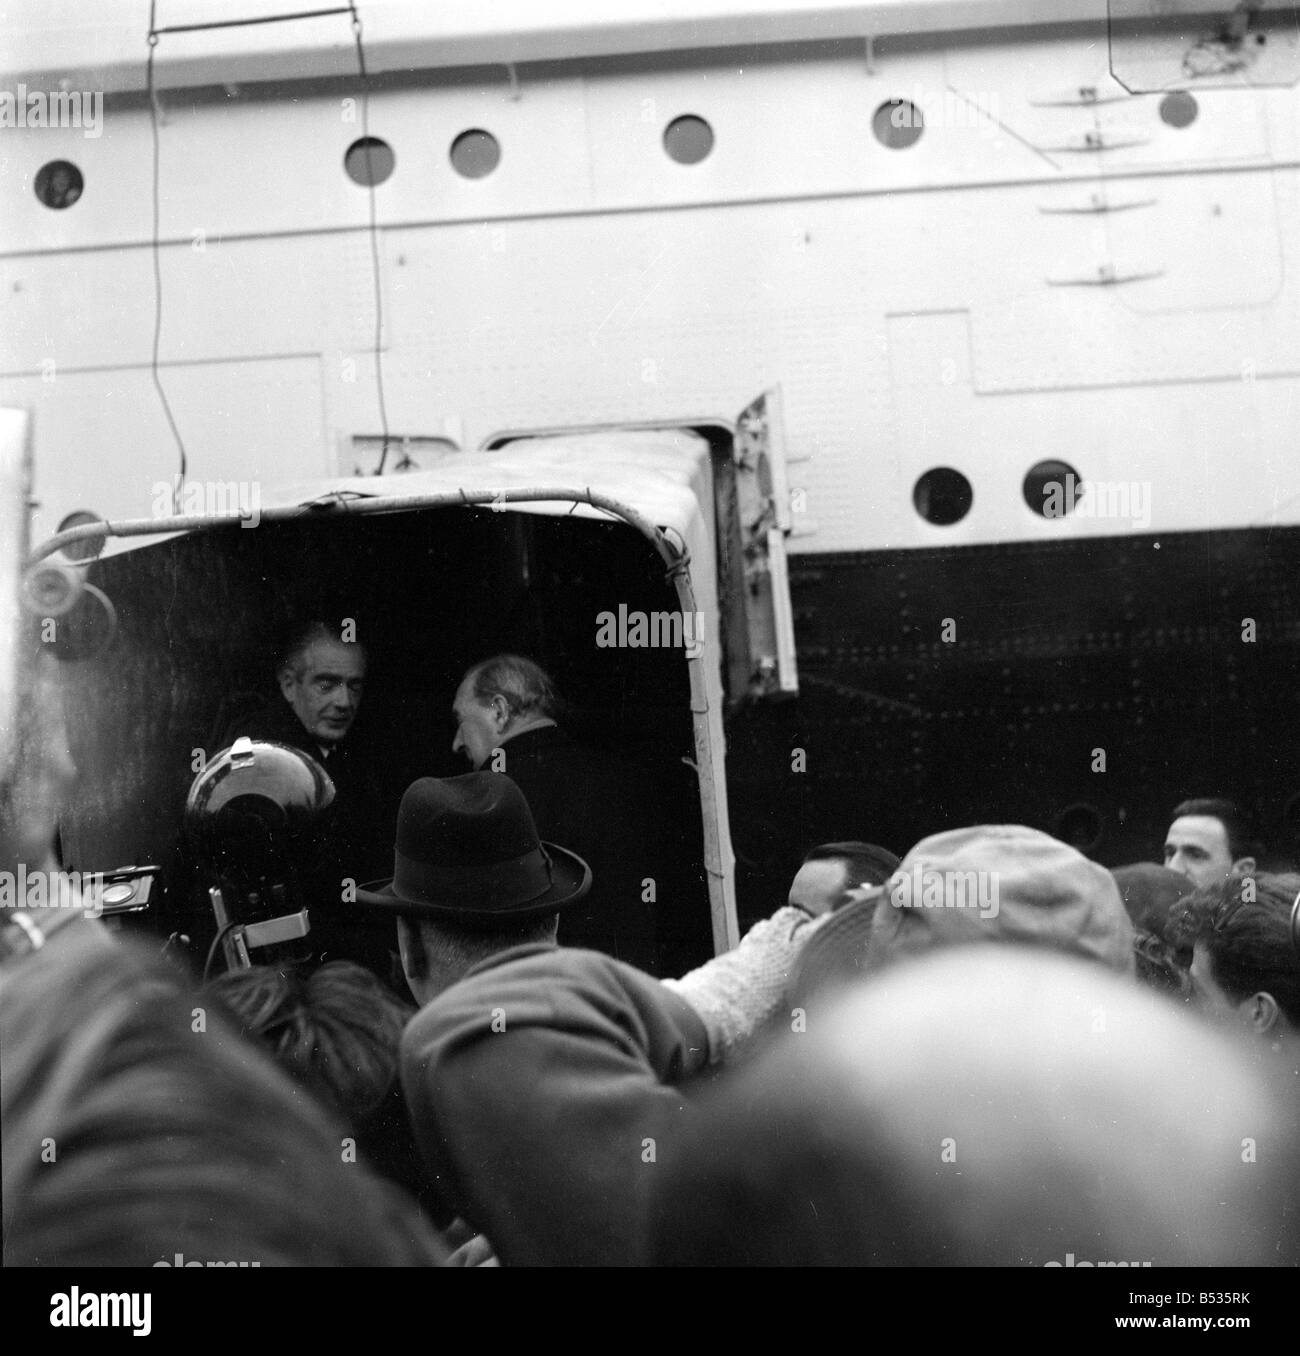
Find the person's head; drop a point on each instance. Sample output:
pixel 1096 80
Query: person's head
pixel 990 1106
pixel 138 1124
pixel 997 883
pixel 435 955
pixel 1246 953
pixel 497 699
pixel 322 676
pixel 831 870
pixel 1160 966
pixel 1209 840
pixel 994 883
pixel 471 878
pixel 1152 896
pixel 334 1029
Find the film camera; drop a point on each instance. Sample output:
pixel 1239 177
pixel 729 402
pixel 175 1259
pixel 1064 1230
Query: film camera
pixel 253 817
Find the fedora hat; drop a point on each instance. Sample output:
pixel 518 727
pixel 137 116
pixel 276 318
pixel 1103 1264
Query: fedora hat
pixel 467 849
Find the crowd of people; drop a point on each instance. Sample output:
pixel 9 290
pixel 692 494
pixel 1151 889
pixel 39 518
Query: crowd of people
pixel 992 1051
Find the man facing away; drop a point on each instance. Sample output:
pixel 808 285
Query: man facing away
pixel 544 1081
pixel 612 811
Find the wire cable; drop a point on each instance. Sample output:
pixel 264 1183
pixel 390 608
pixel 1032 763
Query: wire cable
pixel 374 237
pixel 154 33
pixel 222 933
pixel 154 374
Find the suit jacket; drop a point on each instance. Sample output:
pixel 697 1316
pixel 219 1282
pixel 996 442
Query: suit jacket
pixel 543 1090
pixel 593 804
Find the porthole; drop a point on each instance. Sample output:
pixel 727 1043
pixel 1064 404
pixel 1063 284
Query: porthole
pixel 369 161
pixel 898 124
pixel 943 496
pixel 688 139
pixel 58 184
pixel 88 547
pixel 1080 826
pixel 1178 108
pixel 1052 488
pixel 475 153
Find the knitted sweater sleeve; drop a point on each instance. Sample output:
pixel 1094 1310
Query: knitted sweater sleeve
pixel 737 992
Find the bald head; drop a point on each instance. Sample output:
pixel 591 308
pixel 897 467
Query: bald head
pixel 1000 1106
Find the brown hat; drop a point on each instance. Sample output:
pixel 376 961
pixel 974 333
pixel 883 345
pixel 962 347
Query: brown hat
pixel 467 849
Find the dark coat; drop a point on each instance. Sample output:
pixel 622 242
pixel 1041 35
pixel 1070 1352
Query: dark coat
pixel 543 1087
pixel 595 805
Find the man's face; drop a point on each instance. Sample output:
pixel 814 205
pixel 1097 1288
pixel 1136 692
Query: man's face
pixel 479 725
pixel 1197 847
pixel 819 886
pixel 325 690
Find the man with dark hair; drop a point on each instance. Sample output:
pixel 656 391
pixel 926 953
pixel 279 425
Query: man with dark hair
pixel 832 871
pixel 1210 840
pixel 542 1080
pixel 336 1030
pixel 1246 955
pixel 321 678
pixel 320 671
pixel 507 715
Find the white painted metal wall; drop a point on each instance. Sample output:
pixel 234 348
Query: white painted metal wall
pixel 908 302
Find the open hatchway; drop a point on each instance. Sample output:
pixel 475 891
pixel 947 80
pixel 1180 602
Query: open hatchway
pixel 428 593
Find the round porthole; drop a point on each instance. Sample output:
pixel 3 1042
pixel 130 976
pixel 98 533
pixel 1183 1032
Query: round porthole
pixel 1178 108
pixel 688 139
pixel 475 154
pixel 898 124
pixel 1080 826
pixel 1052 488
pixel 369 161
pixel 88 547
pixel 58 184
pixel 943 496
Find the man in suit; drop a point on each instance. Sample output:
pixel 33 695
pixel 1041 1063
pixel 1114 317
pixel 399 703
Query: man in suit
pixel 321 679
pixel 507 715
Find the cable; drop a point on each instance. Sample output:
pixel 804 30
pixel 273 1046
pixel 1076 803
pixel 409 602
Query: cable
pixel 248 23
pixel 222 933
pixel 374 237
pixel 154 33
pixel 157 271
